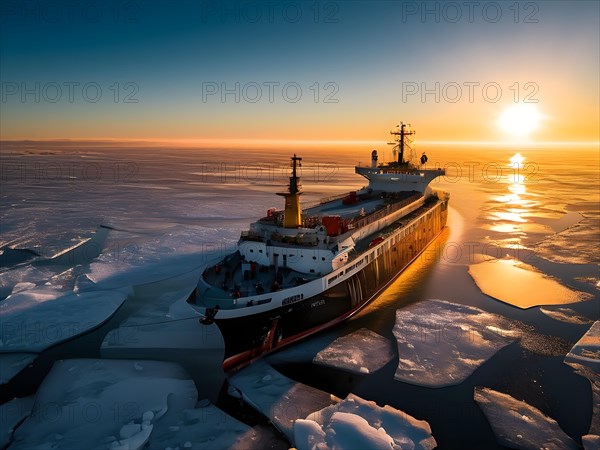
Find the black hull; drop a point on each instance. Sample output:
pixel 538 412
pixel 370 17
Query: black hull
pixel 251 336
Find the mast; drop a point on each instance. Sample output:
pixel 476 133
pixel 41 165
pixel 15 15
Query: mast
pixel 292 217
pixel 399 141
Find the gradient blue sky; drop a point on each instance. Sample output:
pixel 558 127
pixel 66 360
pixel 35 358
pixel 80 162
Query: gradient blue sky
pixel 367 50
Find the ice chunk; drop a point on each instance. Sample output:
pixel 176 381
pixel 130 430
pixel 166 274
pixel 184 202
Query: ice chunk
pixel 358 423
pixel 517 424
pixel 527 287
pixel 203 427
pixel 12 363
pixel 11 414
pixel 587 350
pixel 280 399
pixel 575 245
pixel 84 402
pixel 362 351
pixel 39 318
pixel 566 315
pixel 442 343
pixel 584 357
pixel 591 442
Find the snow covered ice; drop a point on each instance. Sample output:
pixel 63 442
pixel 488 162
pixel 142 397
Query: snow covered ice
pixel 584 357
pixel 442 343
pixel 587 350
pixel 362 351
pixel 357 423
pixel 12 363
pixel 90 403
pixel 11 414
pixel 566 315
pixel 35 319
pixel 279 398
pixel 517 424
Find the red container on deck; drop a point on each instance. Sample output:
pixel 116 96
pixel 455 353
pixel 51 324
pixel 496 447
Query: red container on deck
pixel 332 224
pixel 350 199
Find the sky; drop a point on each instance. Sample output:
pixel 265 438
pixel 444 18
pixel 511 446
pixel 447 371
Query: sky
pixel 192 71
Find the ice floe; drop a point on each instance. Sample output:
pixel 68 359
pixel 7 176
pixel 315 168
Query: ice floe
pixel 442 343
pixel 362 351
pixel 566 315
pixel 91 403
pixel 357 423
pixel 517 424
pixel 12 363
pixel 277 397
pixel 587 350
pixel 584 357
pixel 35 319
pixel 575 245
pixel 11 414
pixel 591 442
pixel 527 287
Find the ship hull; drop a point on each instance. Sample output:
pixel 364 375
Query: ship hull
pixel 251 336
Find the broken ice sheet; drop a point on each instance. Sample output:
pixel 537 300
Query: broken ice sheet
pixel 587 350
pixel 442 343
pixel 566 315
pixel 279 398
pixel 362 351
pixel 357 423
pixel 33 320
pixel 11 414
pixel 527 287
pixel 517 424
pixel 12 363
pixel 92 403
pixel 584 357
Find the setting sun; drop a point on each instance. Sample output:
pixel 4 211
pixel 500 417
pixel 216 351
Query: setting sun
pixel 520 120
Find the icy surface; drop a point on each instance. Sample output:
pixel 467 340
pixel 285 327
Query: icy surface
pixel 35 319
pixel 12 363
pixel 526 288
pixel 357 423
pixel 362 351
pixel 566 315
pixel 11 414
pixel 575 245
pixel 92 403
pixel 517 424
pixel 591 442
pixel 584 357
pixel 442 343
pixel 587 350
pixel 280 399
pixel 206 427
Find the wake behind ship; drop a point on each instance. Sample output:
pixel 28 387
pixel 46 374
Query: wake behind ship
pixel 296 272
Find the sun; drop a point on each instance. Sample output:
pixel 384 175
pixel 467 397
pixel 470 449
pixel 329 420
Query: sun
pixel 520 120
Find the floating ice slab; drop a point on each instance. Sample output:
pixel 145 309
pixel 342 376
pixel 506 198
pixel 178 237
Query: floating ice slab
pixel 442 343
pixel 280 399
pixel 93 403
pixel 206 427
pixel 584 357
pixel 526 288
pixel 587 350
pixel 591 442
pixel 35 319
pixel 12 363
pixel 575 245
pixel 566 315
pixel 356 423
pixel 11 414
pixel 517 424
pixel 362 351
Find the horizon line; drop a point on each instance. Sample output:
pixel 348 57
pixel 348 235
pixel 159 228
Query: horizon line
pixel 312 142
